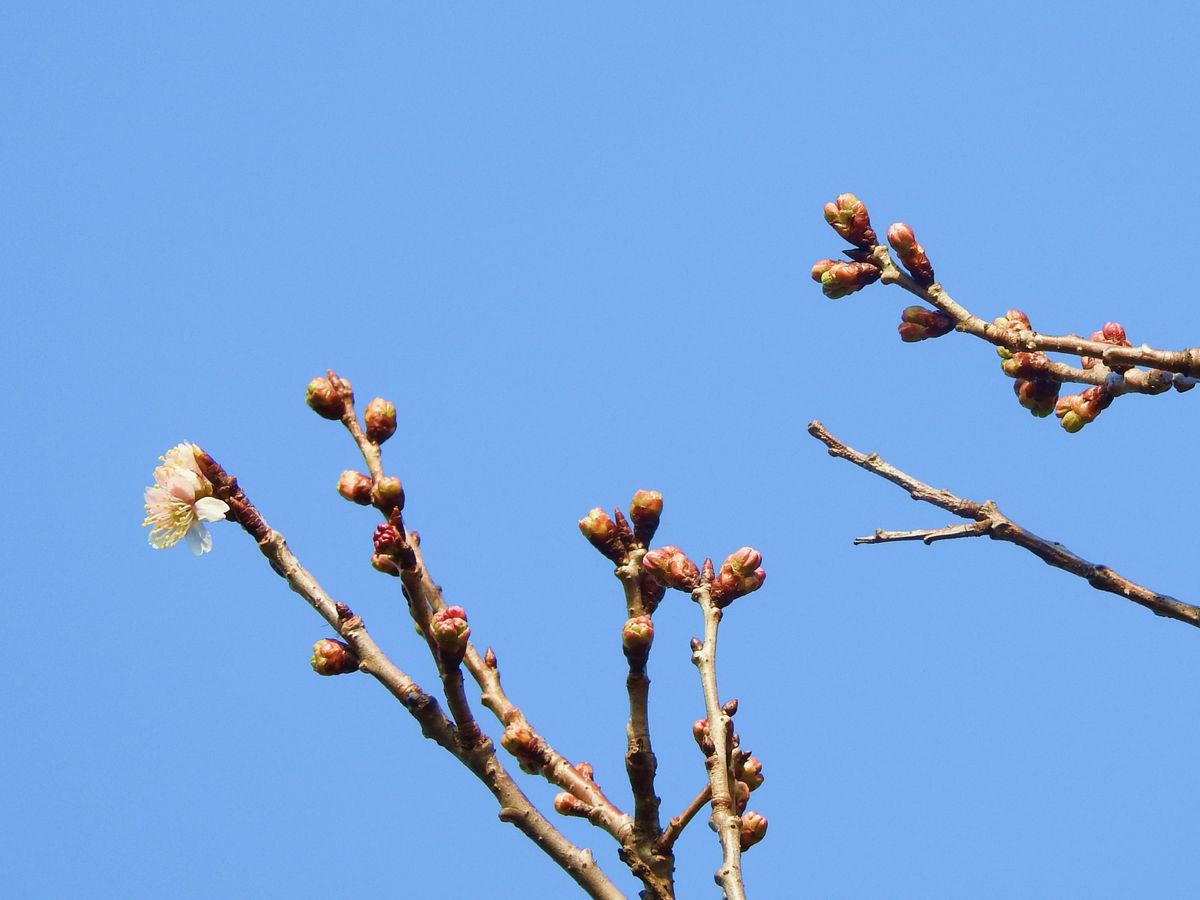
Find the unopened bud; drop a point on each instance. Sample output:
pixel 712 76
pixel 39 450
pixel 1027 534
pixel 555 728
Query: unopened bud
pixel 749 770
pixel 848 216
pixel 844 278
pixel 1038 395
pixel 636 637
pixel 522 742
pixel 489 658
pixel 740 574
pixel 355 487
pixel 567 805
pixel 603 534
pixel 911 253
pixel 1026 365
pixel 671 568
pixel 652 592
pixel 703 740
pixel 754 829
pixel 919 324
pixel 1112 333
pixel 451 633
pixel 586 770
pixel 730 708
pixel 385 564
pixel 380 419
pixel 741 796
pixel 1079 410
pixel 821 266
pixel 324 398
pixel 388 494
pixel 332 657
pixel 645 509
pixel 388 540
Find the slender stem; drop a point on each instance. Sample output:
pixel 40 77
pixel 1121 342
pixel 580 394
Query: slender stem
pixel 478 756
pixel 724 819
pixel 1001 528
pixel 675 827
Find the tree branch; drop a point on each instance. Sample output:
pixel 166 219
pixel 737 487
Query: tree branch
pixel 999 527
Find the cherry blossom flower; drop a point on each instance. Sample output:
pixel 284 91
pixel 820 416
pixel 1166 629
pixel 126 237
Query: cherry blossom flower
pixel 180 501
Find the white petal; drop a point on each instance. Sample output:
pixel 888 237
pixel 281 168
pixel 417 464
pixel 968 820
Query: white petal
pixel 198 539
pixel 210 509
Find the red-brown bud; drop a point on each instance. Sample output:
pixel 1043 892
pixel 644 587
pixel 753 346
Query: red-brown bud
pixel 848 216
pixel 911 253
pixel 740 574
pixel 821 266
pixel 603 534
pixel 387 540
pixel 1038 395
pixel 754 829
pixel 1026 365
pixel 749 770
pixel 523 742
pixel 670 567
pixel 919 324
pixel 567 805
pixel 844 278
pixel 380 419
pixel 636 637
pixel 1112 333
pixel 385 564
pixel 450 632
pixel 586 770
pixel 324 398
pixel 332 657
pixel 652 592
pixel 355 487
pixel 1078 410
pixel 388 495
pixel 645 509
pixel 701 735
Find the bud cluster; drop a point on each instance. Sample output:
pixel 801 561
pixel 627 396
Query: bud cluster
pixel 1112 333
pixel 919 323
pixel 1078 410
pixel 841 279
pixel 848 216
pixel 450 632
pixel 911 253
pixel 392 550
pixel 754 829
pixel 671 568
pixel 740 574
pixel 612 537
pixel 1014 320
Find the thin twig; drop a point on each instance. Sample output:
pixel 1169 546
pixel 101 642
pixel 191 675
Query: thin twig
pixel 675 827
pixel 927 535
pixel 1002 528
pixel 725 820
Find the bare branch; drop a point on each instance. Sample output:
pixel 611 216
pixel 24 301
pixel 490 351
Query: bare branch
pixel 999 527
pixel 675 827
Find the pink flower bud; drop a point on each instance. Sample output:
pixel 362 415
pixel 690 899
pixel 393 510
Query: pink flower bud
pixel 701 735
pixel 451 633
pixel 385 564
pixel 1026 365
pixel 332 657
pixel 387 540
pixel 324 398
pixel 645 509
pixel 355 487
pixel 671 568
pixel 911 253
pixel 567 805
pixel 919 324
pixel 821 266
pixel 1038 395
pixel 1078 410
pixel 522 742
pixel 388 495
pixel 1014 320
pixel 603 534
pixel 844 278
pixel 754 829
pixel 740 574
pixel 380 419
pixel 749 771
pixel 848 216
pixel 1112 333
pixel 636 637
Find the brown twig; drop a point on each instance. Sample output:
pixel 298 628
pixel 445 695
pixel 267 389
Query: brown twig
pixel 675 827
pixel 999 527
pixel 1183 362
pixel 479 757
pixel 725 820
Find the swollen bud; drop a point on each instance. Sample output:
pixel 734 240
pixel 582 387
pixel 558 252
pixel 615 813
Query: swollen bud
pixel 848 216
pixel 754 829
pixel 1112 333
pixel 919 324
pixel 324 398
pixel 637 635
pixel 703 740
pixel 1038 395
pixel 355 487
pixel 1026 365
pixel 603 534
pixel 380 419
pixel 385 564
pixel 1079 410
pixel 749 770
pixel 911 253
pixel 388 495
pixel 645 509
pixel 567 805
pixel 450 632
pixel 522 742
pixel 740 574
pixel 844 278
pixel 671 568
pixel 332 657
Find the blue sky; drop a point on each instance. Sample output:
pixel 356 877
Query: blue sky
pixel 571 243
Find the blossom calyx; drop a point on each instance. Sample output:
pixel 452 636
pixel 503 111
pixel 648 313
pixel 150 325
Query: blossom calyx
pixel 911 253
pixel 848 216
pixel 604 534
pixel 844 278
pixel 919 323
pixel 754 829
pixel 355 487
pixel 740 574
pixel 324 397
pixel 451 633
pixel 671 568
pixel 645 510
pixel 332 657
pixel 380 419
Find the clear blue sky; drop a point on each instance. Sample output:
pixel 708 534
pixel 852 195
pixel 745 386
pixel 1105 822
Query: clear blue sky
pixel 572 244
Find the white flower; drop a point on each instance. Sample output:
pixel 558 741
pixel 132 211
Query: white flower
pixel 180 501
